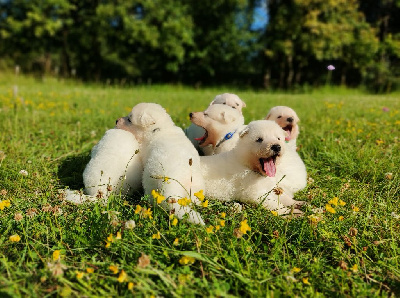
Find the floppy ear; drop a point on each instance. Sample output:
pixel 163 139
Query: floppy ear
pixel 268 116
pixel 144 120
pixel 244 132
pixel 228 117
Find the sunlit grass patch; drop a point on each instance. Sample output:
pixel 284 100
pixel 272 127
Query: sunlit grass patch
pixel 345 244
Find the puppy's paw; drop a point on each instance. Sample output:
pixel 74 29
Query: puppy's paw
pixel 299 204
pixel 195 218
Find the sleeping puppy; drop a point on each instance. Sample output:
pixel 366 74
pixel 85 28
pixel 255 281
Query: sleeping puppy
pixel 220 124
pixel 247 173
pixel 115 167
pixel 194 132
pixel 171 163
pixel 293 171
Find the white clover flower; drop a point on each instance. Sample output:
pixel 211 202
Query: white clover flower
pixel 331 67
pixel 130 224
pixel 24 172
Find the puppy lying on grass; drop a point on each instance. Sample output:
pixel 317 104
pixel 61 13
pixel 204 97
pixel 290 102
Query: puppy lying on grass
pixel 220 124
pixel 292 166
pixel 115 167
pixel 171 163
pixel 247 173
pixel 195 132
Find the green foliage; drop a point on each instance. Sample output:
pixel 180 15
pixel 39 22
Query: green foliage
pixel 348 142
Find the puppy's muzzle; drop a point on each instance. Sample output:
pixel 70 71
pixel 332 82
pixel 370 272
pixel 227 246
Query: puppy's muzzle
pixel 276 148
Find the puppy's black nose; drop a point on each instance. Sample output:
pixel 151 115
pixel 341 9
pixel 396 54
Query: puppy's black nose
pixel 276 148
pixel 191 115
pixel 290 119
pixel 116 121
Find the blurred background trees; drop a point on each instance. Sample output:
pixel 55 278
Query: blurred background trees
pixel 260 43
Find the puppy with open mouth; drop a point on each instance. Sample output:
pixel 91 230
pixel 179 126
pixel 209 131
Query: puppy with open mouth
pixel 293 171
pixel 248 172
pixel 221 125
pixel 195 132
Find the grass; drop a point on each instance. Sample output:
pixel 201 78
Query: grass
pixel 349 142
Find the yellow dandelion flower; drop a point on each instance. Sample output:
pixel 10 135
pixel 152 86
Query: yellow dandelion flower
pixel 174 221
pixel 122 276
pixel 110 238
pixel 126 203
pixel 244 227
pixel 341 203
pixel 176 242
pixel 223 214
pixel 138 209
pixel 334 201
pixel 165 179
pixel 148 213
pixel 89 270
pixel 379 142
pixel 56 255
pixel 305 281
pixel 184 201
pixel 296 269
pixel 119 236
pixel 217 227
pixel 222 223
pixel 108 244
pixel 171 216
pixel 157 196
pixel 199 195
pixel 330 209
pixel 7 203
pixel 210 229
pixel 114 269
pixel 156 236
pixel 160 198
pixel 130 285
pixel 15 238
pixel 355 209
pixel 79 274
pixel 354 268
pixel 274 213
pixel 205 204
pixel 185 260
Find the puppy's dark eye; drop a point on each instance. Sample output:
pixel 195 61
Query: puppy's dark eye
pixel 129 120
pixel 259 140
pixel 237 104
pixel 279 117
pixel 279 139
pixel 205 115
pixel 224 103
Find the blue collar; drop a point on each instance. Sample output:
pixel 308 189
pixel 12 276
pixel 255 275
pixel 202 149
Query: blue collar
pixel 228 136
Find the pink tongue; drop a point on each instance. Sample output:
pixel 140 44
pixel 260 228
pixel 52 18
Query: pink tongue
pixel 269 167
pixel 287 138
pixel 201 138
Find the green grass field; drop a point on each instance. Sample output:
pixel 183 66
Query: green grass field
pixel 349 142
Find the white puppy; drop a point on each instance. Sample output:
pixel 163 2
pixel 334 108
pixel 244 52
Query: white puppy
pixel 248 172
pixel 115 167
pixel 171 163
pixel 221 125
pixel 194 132
pixel 293 173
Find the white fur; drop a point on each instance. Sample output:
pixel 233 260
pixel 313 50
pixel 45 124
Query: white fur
pixel 293 171
pixel 115 167
pixel 166 152
pixel 238 175
pixel 221 125
pixel 229 99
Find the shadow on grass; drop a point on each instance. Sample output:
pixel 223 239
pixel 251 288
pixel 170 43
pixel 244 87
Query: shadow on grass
pixel 71 169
